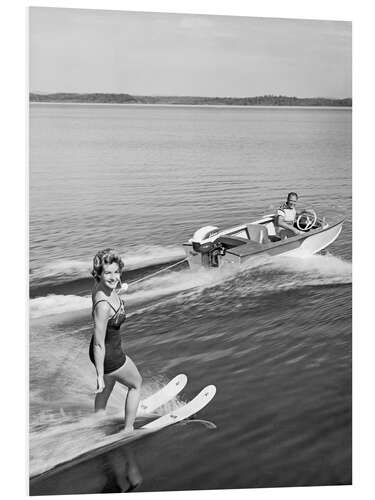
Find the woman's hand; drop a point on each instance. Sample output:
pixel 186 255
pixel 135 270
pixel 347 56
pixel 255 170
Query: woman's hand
pixel 124 287
pixel 99 385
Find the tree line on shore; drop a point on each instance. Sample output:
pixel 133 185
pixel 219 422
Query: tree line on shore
pixel 265 100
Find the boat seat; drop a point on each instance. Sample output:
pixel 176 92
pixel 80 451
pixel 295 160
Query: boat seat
pixel 251 247
pixel 231 241
pixel 257 233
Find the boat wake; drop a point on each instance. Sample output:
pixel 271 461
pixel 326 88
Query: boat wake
pixel 257 277
pixel 171 284
pixel 138 257
pixel 312 270
pixel 58 304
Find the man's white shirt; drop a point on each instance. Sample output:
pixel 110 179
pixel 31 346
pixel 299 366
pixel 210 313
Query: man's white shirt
pixel 289 214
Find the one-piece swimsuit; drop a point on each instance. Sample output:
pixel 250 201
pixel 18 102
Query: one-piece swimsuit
pixel 114 354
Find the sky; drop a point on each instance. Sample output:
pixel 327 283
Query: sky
pixel 75 50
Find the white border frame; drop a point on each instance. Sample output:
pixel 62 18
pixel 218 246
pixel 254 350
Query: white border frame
pixel 14 228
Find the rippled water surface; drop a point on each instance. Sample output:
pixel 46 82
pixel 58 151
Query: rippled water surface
pixel 273 336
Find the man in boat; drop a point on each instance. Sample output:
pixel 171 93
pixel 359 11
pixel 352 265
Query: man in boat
pixel 286 216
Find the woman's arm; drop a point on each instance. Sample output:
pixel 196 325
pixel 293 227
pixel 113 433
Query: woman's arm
pixel 101 316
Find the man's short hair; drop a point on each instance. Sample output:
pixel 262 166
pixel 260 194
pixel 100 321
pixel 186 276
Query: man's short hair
pixel 292 194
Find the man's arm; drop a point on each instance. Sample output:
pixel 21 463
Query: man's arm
pixel 281 222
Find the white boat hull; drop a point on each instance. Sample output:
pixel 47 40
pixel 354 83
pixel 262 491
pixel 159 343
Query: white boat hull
pixel 237 247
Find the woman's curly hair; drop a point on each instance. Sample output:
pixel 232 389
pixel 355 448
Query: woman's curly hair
pixel 106 256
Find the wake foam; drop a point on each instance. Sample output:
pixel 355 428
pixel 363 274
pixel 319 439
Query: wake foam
pixel 58 304
pixel 149 290
pixel 136 258
pixel 59 268
pixel 58 436
pixel 316 269
pixel 284 273
pixel 258 276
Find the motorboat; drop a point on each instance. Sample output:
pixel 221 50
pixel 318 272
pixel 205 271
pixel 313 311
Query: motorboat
pixel 213 247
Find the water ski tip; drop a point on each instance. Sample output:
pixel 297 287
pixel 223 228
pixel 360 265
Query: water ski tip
pixel 163 395
pixel 191 408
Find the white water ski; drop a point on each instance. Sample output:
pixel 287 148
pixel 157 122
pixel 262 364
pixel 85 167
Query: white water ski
pixel 191 408
pixel 161 397
pixel 121 438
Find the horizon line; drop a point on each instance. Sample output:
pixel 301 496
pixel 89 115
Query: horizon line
pixel 184 95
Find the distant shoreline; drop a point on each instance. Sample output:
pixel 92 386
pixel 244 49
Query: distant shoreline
pixel 259 101
pixel 213 106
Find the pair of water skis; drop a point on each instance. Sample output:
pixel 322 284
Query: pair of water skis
pixel 154 423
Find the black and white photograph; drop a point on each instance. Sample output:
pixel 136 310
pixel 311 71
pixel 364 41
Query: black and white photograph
pixel 190 251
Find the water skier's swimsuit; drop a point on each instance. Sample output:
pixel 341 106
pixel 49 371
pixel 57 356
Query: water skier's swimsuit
pixel 114 355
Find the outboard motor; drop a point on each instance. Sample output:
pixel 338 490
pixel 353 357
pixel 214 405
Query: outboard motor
pixel 202 234
pixel 209 249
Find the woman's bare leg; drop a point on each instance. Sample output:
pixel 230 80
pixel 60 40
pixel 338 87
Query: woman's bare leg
pixel 129 375
pixel 101 398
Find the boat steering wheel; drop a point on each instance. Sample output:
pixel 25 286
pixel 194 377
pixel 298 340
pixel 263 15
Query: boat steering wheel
pixel 307 218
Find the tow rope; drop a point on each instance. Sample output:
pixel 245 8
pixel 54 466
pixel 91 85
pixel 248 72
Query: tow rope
pixel 157 272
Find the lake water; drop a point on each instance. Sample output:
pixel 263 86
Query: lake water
pixel 274 337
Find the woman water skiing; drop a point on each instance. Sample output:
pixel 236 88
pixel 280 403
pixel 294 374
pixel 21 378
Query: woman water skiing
pixel 106 353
